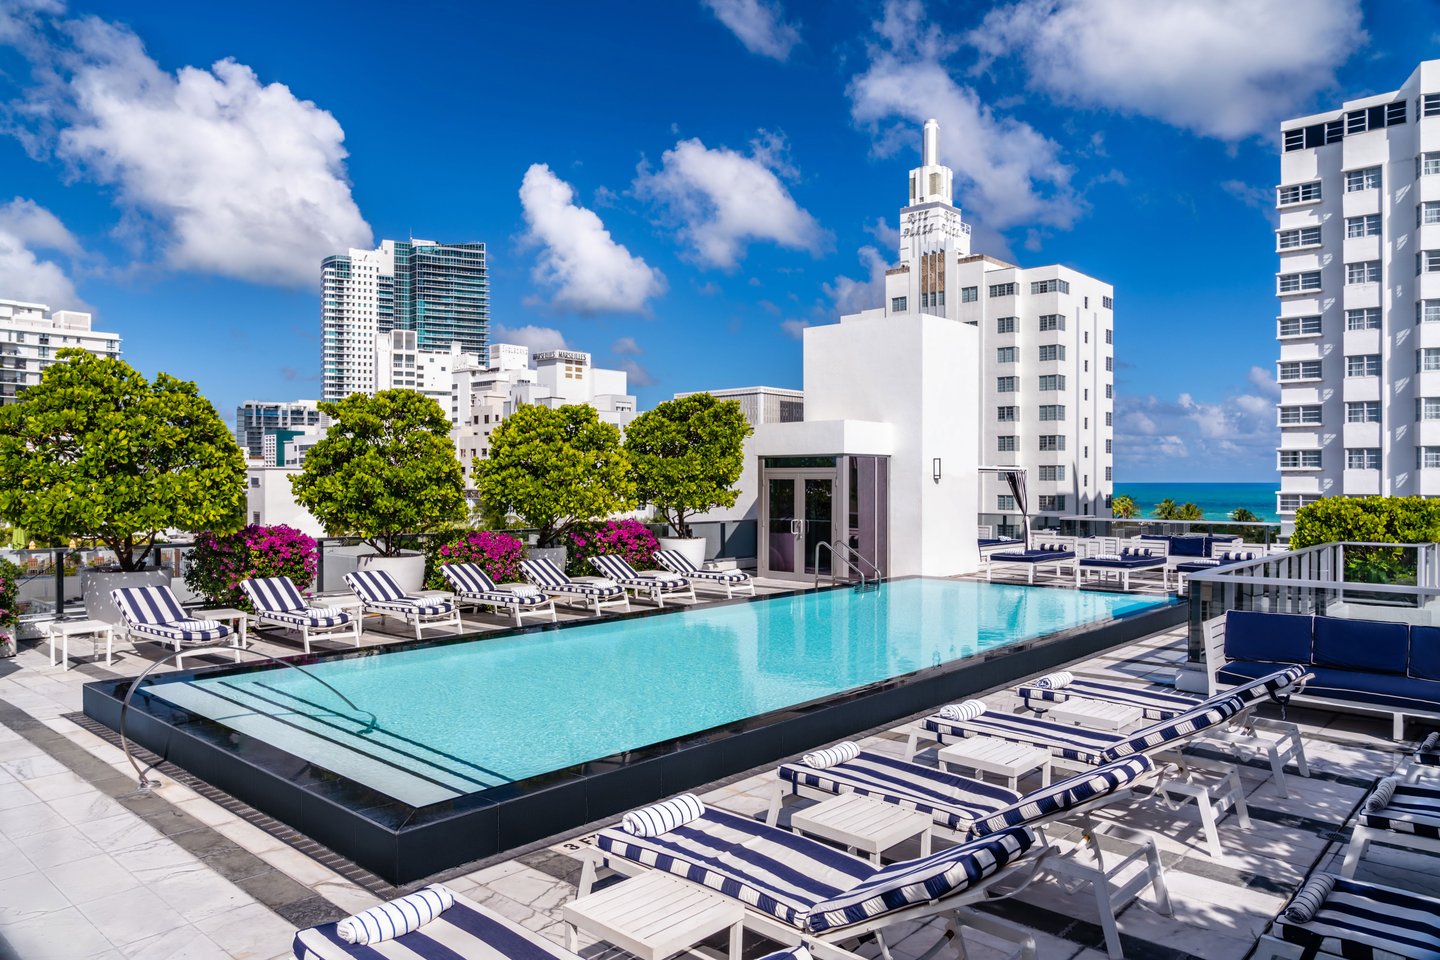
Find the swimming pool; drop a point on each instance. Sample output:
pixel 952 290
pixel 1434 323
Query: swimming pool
pixel 458 718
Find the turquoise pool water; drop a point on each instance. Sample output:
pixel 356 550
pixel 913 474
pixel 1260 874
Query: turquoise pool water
pixel 462 717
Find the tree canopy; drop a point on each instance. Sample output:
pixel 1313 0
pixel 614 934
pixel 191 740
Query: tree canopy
pixel 385 468
pixel 1123 507
pixel 555 467
pixel 96 451
pixel 1243 515
pixel 1189 511
pixel 687 455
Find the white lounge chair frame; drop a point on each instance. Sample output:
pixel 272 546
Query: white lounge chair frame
pixel 494 600
pixel 652 587
pixel 569 594
pixel 701 576
pixel 413 617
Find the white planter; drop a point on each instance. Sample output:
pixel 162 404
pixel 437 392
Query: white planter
pixel 95 587
pixel 692 548
pixel 556 555
pixel 408 569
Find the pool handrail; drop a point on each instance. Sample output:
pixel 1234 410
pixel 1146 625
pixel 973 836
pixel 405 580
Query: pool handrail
pixel 850 553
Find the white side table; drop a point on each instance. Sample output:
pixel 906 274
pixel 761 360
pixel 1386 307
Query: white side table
pixel 1000 757
pixel 1095 714
pixel 238 620
pixel 863 825
pixel 97 630
pixel 654 916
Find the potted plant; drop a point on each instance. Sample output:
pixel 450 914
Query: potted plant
pixel 9 607
pixel 687 455
pixel 630 539
pixel 218 563
pixel 555 468
pixel 498 554
pixel 97 453
pixel 384 472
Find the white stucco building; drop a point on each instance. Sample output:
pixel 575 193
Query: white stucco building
pixel 401 364
pixel 1359 297
pixel 30 336
pixel 269 499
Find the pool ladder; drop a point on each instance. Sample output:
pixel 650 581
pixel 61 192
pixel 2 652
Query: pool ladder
pixel 851 557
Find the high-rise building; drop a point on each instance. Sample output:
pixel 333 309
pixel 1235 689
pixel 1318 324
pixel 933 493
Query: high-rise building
pixel 440 291
pixel 400 363
pixel 1046 367
pixel 31 335
pixel 1358 240
pixel 254 419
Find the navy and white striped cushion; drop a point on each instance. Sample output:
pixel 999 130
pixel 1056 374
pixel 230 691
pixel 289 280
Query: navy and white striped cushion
pixel 664 816
pixel 1410 808
pixel 619 569
pixel 923 880
pixel 676 561
pixel 1067 794
pixel 1267 686
pixel 397 917
pixel 148 604
pixel 1366 920
pixel 840 753
pixel 413 606
pixel 1154 703
pixel 184 631
pixel 1167 733
pixel 468 578
pixel 1061 739
pixel 953 802
pixel 374 586
pixel 273 594
pixel 312 617
pixel 965 710
pixel 1058 680
pixel 543 572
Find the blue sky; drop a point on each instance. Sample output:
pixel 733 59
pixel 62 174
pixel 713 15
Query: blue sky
pixel 676 187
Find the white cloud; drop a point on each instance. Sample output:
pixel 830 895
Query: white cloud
pixel 884 232
pixel 1005 170
pixel 626 347
pixel 24 228
pixel 229 175
pixel 34 226
pixel 536 338
pixel 758 25
pixel 724 199
pixel 850 295
pixel 1231 438
pixel 1223 68
pixel 1263 379
pixel 585 268
pixel 795 328
pixel 639 376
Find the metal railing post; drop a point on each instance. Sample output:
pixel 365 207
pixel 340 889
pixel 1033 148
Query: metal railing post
pixel 58 558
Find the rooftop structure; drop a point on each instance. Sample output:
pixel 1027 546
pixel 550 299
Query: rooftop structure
pixel 763 404
pixel 30 336
pixel 255 419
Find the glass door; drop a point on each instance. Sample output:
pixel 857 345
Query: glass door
pixel 781 526
pixel 819 523
pixel 799 516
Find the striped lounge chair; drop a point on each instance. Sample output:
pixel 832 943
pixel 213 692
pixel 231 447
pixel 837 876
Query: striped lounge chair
pixel 154 613
pixel 1080 748
pixel 732 581
pixel 965 809
pixel 1331 916
pixel 466 929
pixel 591 593
pixel 472 585
pixel 1424 762
pixel 1057 552
pixel 1396 814
pixel 277 601
pixel 381 595
pixel 654 587
pixel 796 890
pixel 1122 562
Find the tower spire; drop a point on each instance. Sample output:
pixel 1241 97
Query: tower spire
pixel 932 180
pixel 930 149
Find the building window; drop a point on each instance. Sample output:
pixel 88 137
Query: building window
pixel 1055 472
pixel 1107 474
pixel 1007 384
pixel 1109 418
pixel 1005 354
pixel 1427 213
pixel 1362 458
pixel 254 481
pixel 1052 381
pixel 1108 303
pixel 1300 370
pixel 1007 414
pixel 969 294
pixel 1051 412
pixel 1298 193
pixel 1052 441
pixel 1300 282
pixel 1050 286
pixel 1427 261
pixel 1366 226
pixel 1110 364
pixel 1110 336
pixel 1427 311
pixel 1427 164
pixel 1429 105
pixel 1052 351
pixel 1294 416
pixel 1007 444
pixel 1052 321
pixel 1004 324
pixel 1303 237
pixel 1427 359
pixel 1426 408
pixel 1366 272
pixel 1052 503
pixel 1367 179
pixel 1005 501
pixel 1290 502
pixel 1363 365
pixel 1362 411
pixel 1366 319
pixel 1427 458
pixel 1299 459
pixel 1299 326
pixel 897 304
pixel 1002 290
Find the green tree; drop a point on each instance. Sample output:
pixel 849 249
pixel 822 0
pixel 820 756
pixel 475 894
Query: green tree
pixel 555 467
pixel 1166 509
pixel 686 456
pixel 386 468
pixel 1242 515
pixel 1397 520
pixel 96 451
pixel 1189 511
pixel 1123 507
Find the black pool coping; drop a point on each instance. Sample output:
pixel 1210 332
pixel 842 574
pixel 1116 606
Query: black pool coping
pixel 402 843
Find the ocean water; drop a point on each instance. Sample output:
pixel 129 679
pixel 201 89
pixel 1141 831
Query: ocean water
pixel 1216 499
pixel 462 717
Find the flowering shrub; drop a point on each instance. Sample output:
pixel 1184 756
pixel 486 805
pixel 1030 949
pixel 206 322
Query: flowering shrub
pixel 630 539
pixel 218 563
pixel 9 606
pixel 498 554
